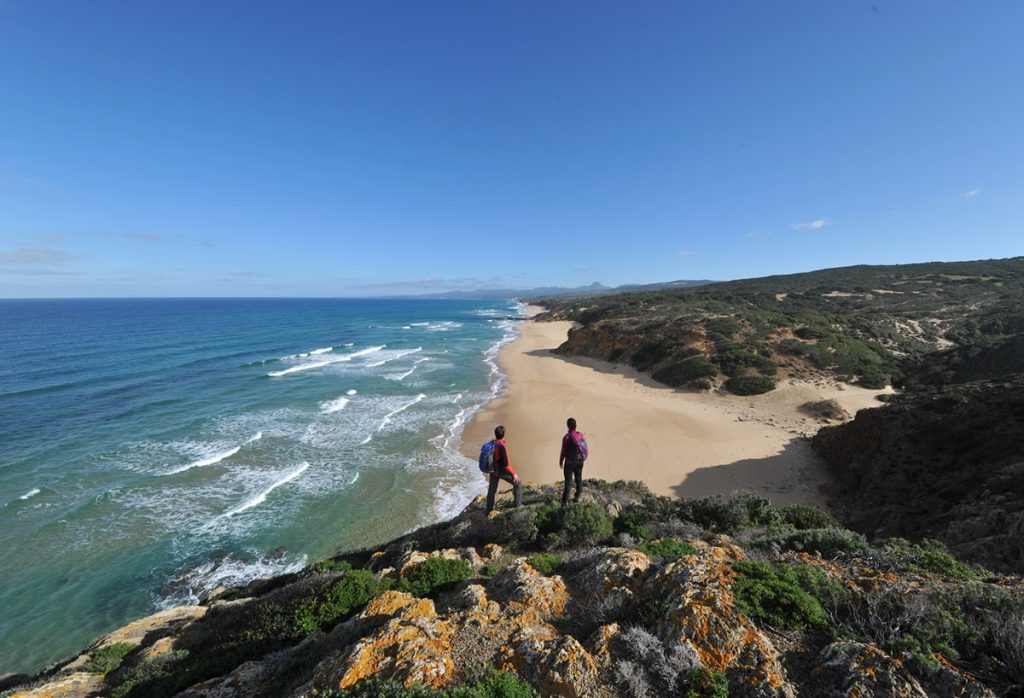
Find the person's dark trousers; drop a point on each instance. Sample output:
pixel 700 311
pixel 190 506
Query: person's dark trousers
pixel 572 471
pixel 492 489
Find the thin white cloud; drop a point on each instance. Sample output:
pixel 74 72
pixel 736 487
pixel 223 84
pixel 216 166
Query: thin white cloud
pixel 972 194
pixel 433 283
pixel 816 224
pixel 689 253
pixel 148 237
pixel 34 255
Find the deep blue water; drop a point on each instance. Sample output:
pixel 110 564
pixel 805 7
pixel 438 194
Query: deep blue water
pixel 151 450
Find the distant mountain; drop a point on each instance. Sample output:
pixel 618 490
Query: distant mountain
pixel 595 288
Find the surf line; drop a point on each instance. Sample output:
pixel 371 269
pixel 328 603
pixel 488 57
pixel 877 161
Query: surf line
pixel 326 362
pixel 389 415
pixel 216 458
pixel 262 496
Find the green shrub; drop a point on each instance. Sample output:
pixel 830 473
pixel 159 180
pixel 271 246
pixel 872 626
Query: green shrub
pixel 633 522
pixel 827 542
pixel 803 517
pixel 679 373
pixel 330 566
pixel 496 684
pixel 930 556
pixel 667 549
pixel 547 521
pixel 341 598
pixel 105 659
pixel 792 347
pixel 749 385
pixel 729 514
pixel 705 683
pixel 585 523
pixel 515 528
pixel 873 378
pixel 812 332
pixel 433 574
pixel 545 563
pixel 723 326
pixel 152 670
pixel 776 597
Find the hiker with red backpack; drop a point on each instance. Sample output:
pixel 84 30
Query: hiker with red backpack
pixel 574 453
pixel 495 462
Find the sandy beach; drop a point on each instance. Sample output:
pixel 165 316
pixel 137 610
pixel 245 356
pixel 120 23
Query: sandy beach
pixel 679 443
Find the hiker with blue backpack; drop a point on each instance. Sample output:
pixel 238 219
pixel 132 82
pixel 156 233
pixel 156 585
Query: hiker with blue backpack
pixel 574 453
pixel 495 462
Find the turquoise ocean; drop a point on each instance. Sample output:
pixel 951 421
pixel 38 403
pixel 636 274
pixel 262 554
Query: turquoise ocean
pixel 153 450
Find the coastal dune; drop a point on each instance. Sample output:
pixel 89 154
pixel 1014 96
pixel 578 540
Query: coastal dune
pixel 680 443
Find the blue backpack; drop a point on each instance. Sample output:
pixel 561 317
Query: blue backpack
pixel 487 457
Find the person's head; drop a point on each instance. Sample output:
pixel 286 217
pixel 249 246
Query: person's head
pixel 571 423
pixel 499 432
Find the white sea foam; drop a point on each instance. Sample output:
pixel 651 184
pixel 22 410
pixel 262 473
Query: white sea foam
pixel 31 493
pixel 340 358
pixel 216 457
pixel 194 585
pixel 443 326
pixel 314 352
pixel 352 391
pixel 261 497
pixel 400 376
pixel 403 408
pixel 393 355
pixel 420 324
pixel 336 405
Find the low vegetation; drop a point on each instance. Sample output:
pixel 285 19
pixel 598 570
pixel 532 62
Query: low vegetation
pixel 803 578
pixel 105 659
pixel 915 326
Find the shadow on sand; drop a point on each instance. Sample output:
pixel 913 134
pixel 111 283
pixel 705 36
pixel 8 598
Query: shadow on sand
pixel 795 475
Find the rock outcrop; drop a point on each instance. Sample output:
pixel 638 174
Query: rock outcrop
pixel 601 622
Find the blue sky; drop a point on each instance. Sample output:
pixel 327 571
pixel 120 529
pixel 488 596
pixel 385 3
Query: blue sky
pixel 344 148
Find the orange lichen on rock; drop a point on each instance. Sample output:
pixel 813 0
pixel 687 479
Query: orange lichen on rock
pixel 414 647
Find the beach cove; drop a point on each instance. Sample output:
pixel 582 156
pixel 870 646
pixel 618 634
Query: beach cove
pixel 679 443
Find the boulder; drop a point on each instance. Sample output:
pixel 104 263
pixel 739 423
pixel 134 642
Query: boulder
pixel 413 647
pixel 701 612
pixel 845 669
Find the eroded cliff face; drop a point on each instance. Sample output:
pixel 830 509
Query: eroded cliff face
pixel 948 466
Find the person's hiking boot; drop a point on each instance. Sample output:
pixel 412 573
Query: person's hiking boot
pixel 492 514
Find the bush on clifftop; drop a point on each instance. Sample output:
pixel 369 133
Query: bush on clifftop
pixel 749 385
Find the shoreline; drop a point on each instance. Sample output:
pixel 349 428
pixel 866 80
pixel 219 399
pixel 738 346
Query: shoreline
pixel 679 443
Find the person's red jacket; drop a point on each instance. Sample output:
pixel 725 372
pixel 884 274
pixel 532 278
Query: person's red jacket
pixel 502 464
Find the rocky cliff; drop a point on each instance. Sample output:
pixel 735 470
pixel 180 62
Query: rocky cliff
pixel 947 465
pixel 624 594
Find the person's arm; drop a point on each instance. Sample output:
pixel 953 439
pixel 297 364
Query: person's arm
pixel 561 456
pixel 506 463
